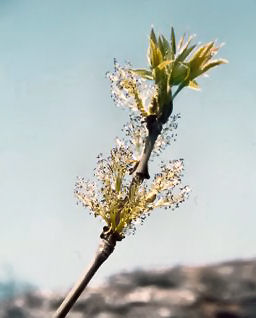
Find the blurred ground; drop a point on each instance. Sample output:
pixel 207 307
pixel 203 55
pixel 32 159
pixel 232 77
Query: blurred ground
pixel 226 290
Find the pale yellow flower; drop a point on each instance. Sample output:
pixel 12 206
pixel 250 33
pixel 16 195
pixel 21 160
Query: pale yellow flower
pixel 122 204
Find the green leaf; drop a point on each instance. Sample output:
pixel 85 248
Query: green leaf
pixel 181 41
pixel 180 73
pixel 185 53
pixel 161 46
pixel 186 50
pixel 167 48
pixel 173 42
pixel 193 85
pixel 143 73
pixel 198 54
pixel 213 63
pixel 152 48
pixel 202 54
pixel 155 55
pixel 207 49
pixel 163 65
pixel 153 36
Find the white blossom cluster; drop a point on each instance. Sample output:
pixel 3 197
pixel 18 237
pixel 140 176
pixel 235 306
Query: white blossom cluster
pixel 130 90
pixel 136 133
pixel 119 202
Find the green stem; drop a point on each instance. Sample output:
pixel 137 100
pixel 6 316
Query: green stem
pixel 177 91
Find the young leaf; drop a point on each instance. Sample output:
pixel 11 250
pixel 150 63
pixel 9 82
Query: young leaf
pixel 213 63
pixel 153 36
pixel 161 46
pixel 184 53
pixel 155 55
pixel 143 73
pixel 162 65
pixel 167 48
pixel 193 85
pixel 173 42
pixel 181 41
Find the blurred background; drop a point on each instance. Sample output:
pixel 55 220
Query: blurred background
pixel 57 115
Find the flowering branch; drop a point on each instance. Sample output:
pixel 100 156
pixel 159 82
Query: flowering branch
pixel 119 195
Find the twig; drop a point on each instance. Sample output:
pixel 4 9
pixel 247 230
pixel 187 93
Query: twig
pixel 154 127
pixel 106 247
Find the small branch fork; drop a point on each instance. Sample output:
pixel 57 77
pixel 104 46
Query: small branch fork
pixel 108 238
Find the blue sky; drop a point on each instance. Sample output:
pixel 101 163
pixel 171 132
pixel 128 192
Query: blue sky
pixel 57 115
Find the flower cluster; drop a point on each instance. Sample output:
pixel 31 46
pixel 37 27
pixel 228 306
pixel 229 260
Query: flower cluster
pixel 136 132
pixel 121 203
pixel 130 90
pixel 164 185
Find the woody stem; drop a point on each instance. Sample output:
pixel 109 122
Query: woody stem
pixel 106 248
